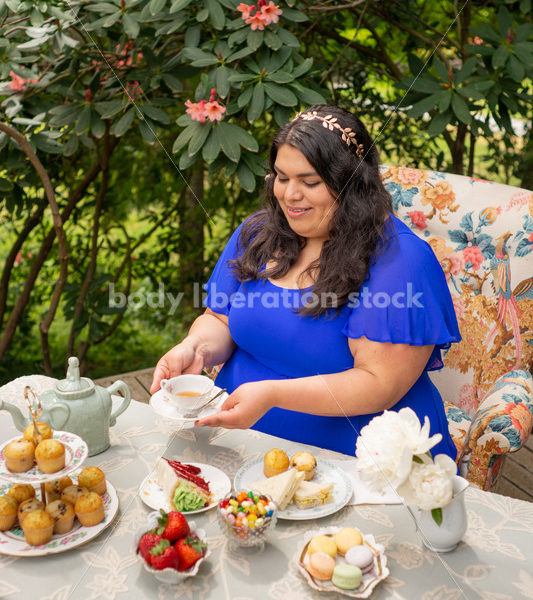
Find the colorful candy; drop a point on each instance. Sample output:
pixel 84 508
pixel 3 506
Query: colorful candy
pixel 246 510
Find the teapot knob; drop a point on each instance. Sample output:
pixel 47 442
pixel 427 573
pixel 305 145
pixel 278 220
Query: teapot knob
pixel 73 371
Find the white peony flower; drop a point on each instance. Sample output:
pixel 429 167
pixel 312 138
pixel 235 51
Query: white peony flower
pixel 430 485
pixel 385 447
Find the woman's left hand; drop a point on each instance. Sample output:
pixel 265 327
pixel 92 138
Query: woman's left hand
pixel 244 407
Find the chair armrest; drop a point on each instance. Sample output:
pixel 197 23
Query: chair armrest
pixel 501 424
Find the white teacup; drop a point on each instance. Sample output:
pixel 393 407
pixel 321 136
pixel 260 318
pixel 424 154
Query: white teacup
pixel 188 393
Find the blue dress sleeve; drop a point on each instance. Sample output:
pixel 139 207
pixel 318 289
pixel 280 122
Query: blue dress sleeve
pixel 223 285
pixel 406 300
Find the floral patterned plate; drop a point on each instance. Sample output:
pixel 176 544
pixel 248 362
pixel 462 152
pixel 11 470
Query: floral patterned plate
pixel 379 572
pixel 12 542
pixel 76 452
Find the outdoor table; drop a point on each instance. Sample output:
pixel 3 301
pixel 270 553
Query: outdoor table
pixel 494 560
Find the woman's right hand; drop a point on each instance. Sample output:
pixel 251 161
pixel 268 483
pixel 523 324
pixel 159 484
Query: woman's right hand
pixel 183 358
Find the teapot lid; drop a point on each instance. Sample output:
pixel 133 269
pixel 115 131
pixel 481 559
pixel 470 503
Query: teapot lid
pixel 73 382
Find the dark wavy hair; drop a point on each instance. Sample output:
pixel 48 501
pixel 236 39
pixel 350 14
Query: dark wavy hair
pixel 356 226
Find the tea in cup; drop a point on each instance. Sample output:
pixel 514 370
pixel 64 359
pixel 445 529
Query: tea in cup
pixel 187 393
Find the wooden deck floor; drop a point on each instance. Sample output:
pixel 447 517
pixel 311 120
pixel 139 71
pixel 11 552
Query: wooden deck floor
pixel 517 475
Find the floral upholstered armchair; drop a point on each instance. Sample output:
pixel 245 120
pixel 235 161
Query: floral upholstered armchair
pixel 482 234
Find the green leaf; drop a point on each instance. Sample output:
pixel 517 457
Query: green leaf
pixel 199 58
pixel 172 82
pixel 486 32
pixel 417 459
pixel 288 38
pixel 302 68
pixel 278 59
pixel 240 54
pixel 504 20
pixel 281 114
pixel 243 138
pixel 445 97
pixel 499 58
pixel 156 113
pixel 46 144
pixel 185 136
pixel 131 26
pixel 466 70
pixel 147 130
pixel 192 36
pixel 307 95
pixel 179 5
pixel 470 92
pixel 272 41
pixel 423 106
pixel 516 69
pixel 237 37
pixel 227 141
pixel 281 95
pixel 246 177
pixel 441 70
pixel 211 148
pixel 110 108
pixel 522 52
pixel 255 108
pixel 438 123
pixel 245 97
pixel 71 146
pixel 6 185
pixel 254 39
pixel 199 139
pixel 436 513
pixel 120 127
pixel 222 82
pixel 156 6
pixel 97 125
pixel 523 32
pixel 83 120
pixel 294 15
pixel 216 14
pixel 460 108
pixel 65 114
pixel 426 84
pixel 202 15
pixel 280 77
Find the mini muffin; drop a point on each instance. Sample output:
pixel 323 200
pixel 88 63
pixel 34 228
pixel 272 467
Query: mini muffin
pixel 50 456
pixel 8 512
pixel 44 432
pixel 56 487
pixel 321 566
pixel 63 515
pixel 21 491
pixel 275 462
pixel 305 462
pixel 93 479
pixel 38 528
pixel 89 509
pixel 19 455
pixel 73 492
pixel 347 538
pixel 27 507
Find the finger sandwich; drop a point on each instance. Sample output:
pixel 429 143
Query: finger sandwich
pixel 309 494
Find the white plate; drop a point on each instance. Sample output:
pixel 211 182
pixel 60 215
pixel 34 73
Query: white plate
pixel 12 542
pixel 326 472
pixel 165 409
pixel 369 580
pixel 76 451
pixel 219 484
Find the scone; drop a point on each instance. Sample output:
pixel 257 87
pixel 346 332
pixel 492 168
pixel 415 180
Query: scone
pixel 19 455
pixel 275 462
pixel 93 479
pixel 44 432
pixel 21 491
pixel 38 528
pixel 305 462
pixel 56 487
pixel 63 515
pixel 50 456
pixel 8 512
pixel 89 509
pixel 28 506
pixel 73 492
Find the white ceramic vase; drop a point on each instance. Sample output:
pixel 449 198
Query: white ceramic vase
pixel 446 536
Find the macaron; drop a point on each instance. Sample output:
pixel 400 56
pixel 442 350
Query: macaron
pixel 321 566
pixel 346 577
pixel 360 556
pixel 322 543
pixel 346 538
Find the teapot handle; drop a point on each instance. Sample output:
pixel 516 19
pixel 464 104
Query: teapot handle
pixel 59 408
pixel 115 387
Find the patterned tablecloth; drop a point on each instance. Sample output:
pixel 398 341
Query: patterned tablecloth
pixel 494 561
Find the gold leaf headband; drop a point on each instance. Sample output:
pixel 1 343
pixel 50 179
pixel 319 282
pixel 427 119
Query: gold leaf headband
pixel 330 122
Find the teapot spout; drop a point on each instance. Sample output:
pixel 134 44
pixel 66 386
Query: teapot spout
pixel 19 420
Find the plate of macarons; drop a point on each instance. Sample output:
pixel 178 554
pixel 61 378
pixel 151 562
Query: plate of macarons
pixel 342 560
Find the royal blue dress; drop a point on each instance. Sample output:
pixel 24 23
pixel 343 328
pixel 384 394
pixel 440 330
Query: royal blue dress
pixel 405 300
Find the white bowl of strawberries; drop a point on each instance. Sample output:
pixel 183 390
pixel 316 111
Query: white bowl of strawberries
pixel 169 547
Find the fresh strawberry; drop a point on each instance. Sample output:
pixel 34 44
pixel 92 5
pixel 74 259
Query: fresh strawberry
pixel 164 556
pixel 190 549
pixel 146 543
pixel 172 526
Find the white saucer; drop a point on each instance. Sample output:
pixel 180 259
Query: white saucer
pixel 165 409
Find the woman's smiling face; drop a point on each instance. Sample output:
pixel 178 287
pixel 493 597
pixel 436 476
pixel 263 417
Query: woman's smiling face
pixel 303 196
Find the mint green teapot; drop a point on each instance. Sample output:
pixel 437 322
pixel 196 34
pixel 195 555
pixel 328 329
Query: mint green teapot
pixel 77 405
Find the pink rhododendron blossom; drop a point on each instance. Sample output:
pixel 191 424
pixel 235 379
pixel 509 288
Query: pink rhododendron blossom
pixel 214 110
pixel 245 9
pixel 271 13
pixel 473 255
pixel 18 84
pixel 256 21
pixel 18 259
pixel 418 218
pixel 196 110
